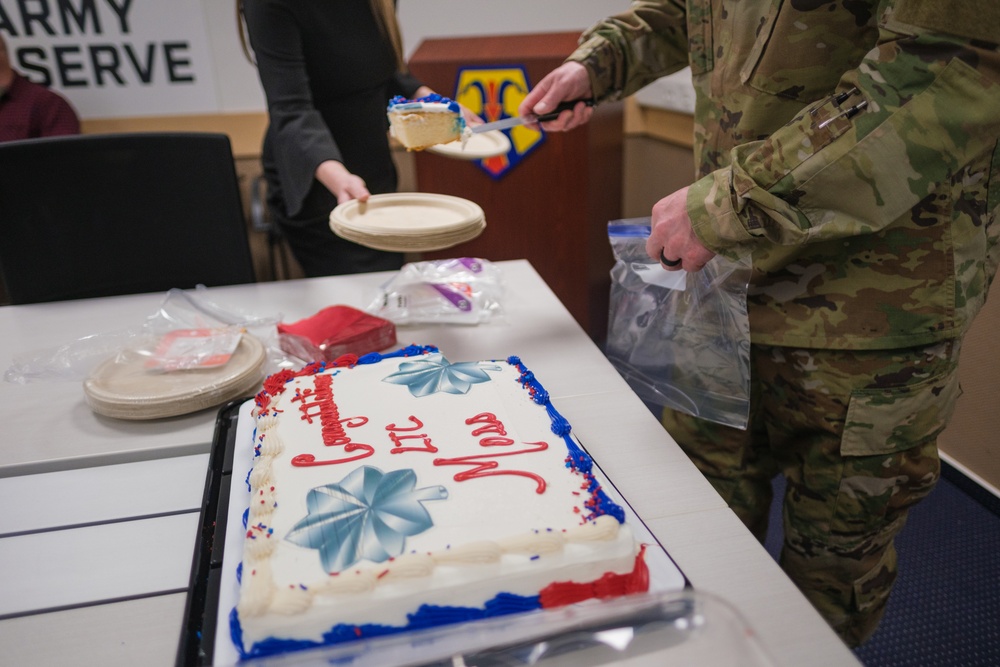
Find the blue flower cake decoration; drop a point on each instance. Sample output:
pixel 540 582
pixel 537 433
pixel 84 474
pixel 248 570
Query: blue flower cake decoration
pixel 366 516
pixel 435 373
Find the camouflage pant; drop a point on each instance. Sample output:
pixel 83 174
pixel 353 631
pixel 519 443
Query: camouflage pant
pixel 855 434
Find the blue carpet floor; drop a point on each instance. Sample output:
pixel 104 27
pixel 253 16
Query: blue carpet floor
pixel 945 608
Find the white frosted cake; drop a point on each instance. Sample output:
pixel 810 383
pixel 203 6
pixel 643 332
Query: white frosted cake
pixel 400 491
pixel 425 122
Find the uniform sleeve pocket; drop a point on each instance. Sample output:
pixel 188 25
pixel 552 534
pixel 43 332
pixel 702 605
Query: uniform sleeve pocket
pixel 884 421
pixel 906 157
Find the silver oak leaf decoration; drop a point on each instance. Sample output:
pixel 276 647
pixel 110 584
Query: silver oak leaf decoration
pixel 436 374
pixel 366 516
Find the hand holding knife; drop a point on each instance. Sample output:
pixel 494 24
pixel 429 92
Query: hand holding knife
pixel 527 119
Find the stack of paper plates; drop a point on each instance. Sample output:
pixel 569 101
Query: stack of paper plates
pixel 125 387
pixel 408 221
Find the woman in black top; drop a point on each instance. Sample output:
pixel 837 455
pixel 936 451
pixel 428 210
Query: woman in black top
pixel 328 69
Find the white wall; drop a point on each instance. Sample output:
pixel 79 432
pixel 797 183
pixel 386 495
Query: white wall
pixel 421 19
pixel 166 57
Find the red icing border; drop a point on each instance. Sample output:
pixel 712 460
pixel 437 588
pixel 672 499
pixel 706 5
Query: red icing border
pixel 611 585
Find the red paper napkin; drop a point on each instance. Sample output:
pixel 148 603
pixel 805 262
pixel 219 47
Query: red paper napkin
pixel 335 331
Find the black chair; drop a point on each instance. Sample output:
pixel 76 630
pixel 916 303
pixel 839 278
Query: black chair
pixel 102 215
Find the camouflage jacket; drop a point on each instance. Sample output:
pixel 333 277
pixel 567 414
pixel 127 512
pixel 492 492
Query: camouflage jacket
pixel 850 145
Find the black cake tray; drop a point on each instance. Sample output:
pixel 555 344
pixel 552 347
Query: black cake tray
pixel 201 610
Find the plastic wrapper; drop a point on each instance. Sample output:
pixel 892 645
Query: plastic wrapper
pixel 335 331
pixel 681 340
pixel 450 291
pixel 680 628
pixel 129 386
pixel 187 332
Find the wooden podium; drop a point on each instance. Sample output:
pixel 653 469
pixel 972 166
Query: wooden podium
pixel 552 208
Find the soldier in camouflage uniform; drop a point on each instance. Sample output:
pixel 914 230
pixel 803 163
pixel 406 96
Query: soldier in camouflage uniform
pixel 851 146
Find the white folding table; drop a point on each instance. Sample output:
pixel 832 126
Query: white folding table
pixel 102 515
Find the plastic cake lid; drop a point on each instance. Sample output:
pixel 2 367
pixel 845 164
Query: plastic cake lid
pixel 408 221
pixel 125 388
pixel 477 146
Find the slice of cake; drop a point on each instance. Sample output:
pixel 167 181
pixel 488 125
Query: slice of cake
pixel 401 491
pixel 426 121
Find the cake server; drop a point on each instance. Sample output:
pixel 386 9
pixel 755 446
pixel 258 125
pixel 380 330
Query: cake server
pixel 513 121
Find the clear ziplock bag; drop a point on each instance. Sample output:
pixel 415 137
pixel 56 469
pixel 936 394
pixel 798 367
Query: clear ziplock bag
pixel 187 331
pixel 680 340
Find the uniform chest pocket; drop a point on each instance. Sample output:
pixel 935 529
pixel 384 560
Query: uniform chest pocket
pixel 803 48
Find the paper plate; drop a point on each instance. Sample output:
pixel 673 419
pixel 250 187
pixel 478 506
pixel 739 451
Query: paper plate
pixel 477 147
pixel 408 221
pixel 125 388
pixel 407 213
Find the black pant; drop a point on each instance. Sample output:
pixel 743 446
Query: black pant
pixel 320 252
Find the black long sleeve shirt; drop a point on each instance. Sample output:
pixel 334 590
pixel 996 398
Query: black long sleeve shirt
pixel 328 74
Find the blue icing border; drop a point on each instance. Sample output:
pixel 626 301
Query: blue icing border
pixel 400 102
pixel 429 616
pixel 578 459
pixel 426 616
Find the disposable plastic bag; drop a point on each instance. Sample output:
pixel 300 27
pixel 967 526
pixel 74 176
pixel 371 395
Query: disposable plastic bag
pixel 465 290
pixel 187 331
pixel 680 340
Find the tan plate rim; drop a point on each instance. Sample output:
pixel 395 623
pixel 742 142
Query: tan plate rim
pixel 344 214
pixel 501 146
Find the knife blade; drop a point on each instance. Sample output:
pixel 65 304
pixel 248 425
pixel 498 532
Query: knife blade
pixel 514 121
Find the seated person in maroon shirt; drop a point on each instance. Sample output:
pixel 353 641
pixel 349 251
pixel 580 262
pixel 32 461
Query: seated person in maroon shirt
pixel 29 110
